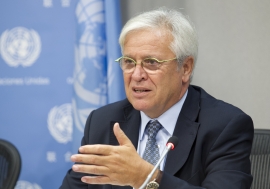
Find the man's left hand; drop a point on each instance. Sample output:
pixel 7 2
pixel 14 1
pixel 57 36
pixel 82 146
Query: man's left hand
pixel 116 165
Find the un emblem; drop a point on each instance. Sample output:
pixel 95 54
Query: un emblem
pixel 60 123
pixel 26 185
pixel 20 46
pixel 90 74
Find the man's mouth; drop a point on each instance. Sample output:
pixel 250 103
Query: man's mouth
pixel 140 91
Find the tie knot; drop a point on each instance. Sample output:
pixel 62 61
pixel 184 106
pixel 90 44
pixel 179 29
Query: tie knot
pixel 153 128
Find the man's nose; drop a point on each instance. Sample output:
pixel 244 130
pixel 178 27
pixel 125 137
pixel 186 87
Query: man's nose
pixel 139 73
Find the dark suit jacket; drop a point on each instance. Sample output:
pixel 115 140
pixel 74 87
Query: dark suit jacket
pixel 215 140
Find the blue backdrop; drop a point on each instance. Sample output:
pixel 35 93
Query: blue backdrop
pixel 56 66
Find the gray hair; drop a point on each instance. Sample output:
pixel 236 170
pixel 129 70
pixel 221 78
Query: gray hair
pixel 185 41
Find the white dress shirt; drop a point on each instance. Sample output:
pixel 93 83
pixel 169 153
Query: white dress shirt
pixel 168 121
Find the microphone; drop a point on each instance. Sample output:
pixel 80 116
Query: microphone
pixel 171 144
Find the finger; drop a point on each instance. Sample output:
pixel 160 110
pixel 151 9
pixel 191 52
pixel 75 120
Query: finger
pixel 121 136
pixel 98 149
pixel 90 169
pixel 96 180
pixel 89 159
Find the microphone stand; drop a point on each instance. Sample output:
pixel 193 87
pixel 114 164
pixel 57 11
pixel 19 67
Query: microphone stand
pixel 164 153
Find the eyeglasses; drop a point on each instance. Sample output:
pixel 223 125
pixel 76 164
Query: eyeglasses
pixel 150 65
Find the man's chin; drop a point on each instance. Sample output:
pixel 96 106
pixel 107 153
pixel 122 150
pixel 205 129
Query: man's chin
pixel 140 106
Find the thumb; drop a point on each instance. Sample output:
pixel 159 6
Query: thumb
pixel 121 136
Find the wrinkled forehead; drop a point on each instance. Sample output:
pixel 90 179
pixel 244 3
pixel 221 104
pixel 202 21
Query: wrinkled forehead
pixel 148 43
pixel 161 34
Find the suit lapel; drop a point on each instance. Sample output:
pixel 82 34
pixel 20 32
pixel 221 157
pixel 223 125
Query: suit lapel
pixel 186 130
pixel 130 125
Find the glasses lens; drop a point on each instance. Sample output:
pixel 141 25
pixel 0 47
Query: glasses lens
pixel 151 64
pixel 127 64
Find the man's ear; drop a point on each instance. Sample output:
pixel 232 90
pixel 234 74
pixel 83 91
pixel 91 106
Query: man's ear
pixel 188 65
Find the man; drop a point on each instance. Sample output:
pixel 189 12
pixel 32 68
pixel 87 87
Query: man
pixel 159 52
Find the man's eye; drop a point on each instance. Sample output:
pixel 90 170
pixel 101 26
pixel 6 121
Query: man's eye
pixel 127 61
pixel 150 61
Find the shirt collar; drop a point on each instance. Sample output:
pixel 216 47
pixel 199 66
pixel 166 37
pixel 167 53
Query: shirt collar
pixel 168 119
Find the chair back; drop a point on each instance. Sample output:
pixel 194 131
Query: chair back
pixel 10 165
pixel 260 159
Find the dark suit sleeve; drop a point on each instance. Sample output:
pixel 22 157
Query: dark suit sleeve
pixel 227 165
pixel 72 179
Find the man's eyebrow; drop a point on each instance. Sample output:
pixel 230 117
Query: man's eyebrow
pixel 143 57
pixel 127 55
